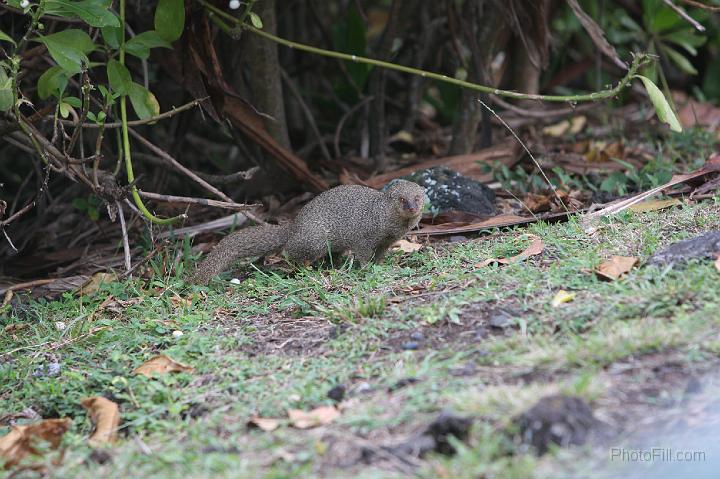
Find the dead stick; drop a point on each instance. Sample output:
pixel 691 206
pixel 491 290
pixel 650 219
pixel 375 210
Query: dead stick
pixel 166 156
pixel 126 244
pixel 197 201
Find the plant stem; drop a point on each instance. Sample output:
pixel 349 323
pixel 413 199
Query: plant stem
pixel 639 60
pixel 126 140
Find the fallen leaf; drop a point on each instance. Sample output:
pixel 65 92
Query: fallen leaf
pixel 105 414
pixel 8 297
pixel 180 301
pixel 654 205
pixel 161 364
pixel 94 283
pixel 15 327
pixel 572 126
pixel 406 246
pixel 267 424
pixel 717 263
pixel 615 267
pixel 317 417
pixel 21 440
pixel 561 297
pixel 536 247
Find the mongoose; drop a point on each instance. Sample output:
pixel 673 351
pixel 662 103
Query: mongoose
pixel 346 218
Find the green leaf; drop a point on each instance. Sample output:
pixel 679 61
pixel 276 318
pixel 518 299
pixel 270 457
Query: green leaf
pixel 6 38
pixel 662 107
pixel 69 48
pixel 679 59
pixel 686 39
pixel 111 35
pixel 52 82
pixel 73 101
pixel 64 109
pixel 7 99
pixel 119 77
pixel 141 44
pixel 255 20
pixel 143 101
pixel 170 19
pixel 93 12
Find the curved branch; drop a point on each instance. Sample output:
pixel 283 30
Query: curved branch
pixel 639 60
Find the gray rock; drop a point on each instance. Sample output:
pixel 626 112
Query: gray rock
pixel 448 190
pixel 703 246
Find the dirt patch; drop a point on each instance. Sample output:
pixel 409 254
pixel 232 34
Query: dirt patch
pixel 477 322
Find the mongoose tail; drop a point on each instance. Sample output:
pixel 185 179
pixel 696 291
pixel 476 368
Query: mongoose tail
pixel 245 243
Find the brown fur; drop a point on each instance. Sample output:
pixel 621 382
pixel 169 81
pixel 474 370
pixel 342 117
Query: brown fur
pixel 346 218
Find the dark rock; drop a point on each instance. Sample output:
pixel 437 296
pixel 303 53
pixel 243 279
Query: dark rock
pixel 99 456
pixel 417 336
pixel 337 393
pixel 448 190
pixel 433 439
pixel 703 246
pixel 693 386
pixel 363 388
pixel 557 419
pixel 501 318
pixel 196 410
pixel 481 333
pixel 402 383
pixel 446 425
pixel 220 450
pixel 337 331
pixel 410 346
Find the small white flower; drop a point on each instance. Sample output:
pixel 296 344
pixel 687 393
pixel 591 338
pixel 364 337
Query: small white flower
pixel 24 3
pixel 234 281
pixel 59 325
pixel 177 334
pixel 234 4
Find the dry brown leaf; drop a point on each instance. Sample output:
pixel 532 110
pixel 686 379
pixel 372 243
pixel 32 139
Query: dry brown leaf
pixel 319 416
pixel 573 126
pixel 95 281
pixel 267 424
pixel 161 364
pixel 180 301
pixel 20 441
pixel 406 246
pixel 654 205
pixel 105 414
pixel 536 247
pixel 8 297
pixel 616 267
pixel 464 227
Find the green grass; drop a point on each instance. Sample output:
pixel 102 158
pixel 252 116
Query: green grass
pixel 282 338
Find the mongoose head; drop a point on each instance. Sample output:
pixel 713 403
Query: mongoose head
pixel 408 198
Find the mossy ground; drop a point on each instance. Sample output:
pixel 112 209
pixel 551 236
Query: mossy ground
pixel 284 337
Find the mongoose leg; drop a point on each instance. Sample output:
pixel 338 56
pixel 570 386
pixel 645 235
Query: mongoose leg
pixel 363 255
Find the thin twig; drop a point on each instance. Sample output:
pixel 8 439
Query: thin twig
pixel 126 244
pixel 555 112
pixel 696 4
pixel 308 114
pixel 152 119
pixel 639 60
pixel 197 201
pixel 683 14
pixel 19 213
pixel 542 172
pixel 341 123
pixel 166 156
